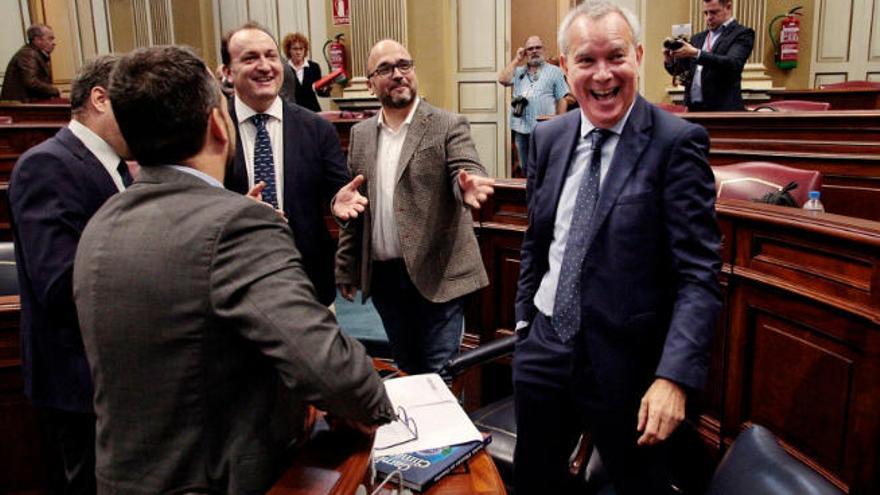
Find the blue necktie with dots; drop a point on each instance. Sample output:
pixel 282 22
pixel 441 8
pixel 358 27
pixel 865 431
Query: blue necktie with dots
pixel 264 164
pixel 567 303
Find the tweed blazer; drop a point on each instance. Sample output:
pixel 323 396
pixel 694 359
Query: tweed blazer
pixel 435 228
pixel 28 76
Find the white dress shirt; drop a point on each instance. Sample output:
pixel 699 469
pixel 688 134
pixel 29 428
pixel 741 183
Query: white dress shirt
pixel 98 147
pixel 298 71
pixel 386 243
pixel 248 132
pixel 546 294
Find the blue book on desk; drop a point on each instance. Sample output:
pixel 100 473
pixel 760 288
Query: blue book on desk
pixel 423 468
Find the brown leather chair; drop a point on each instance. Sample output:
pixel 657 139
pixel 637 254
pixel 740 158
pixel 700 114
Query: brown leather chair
pixel 752 180
pixel 852 85
pixel 792 106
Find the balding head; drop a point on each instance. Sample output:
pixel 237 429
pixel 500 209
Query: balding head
pixel 391 75
pixel 534 49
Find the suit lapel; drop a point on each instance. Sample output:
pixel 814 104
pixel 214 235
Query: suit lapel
pixel 96 168
pixel 724 38
pixel 417 128
pixel 633 141
pixel 237 178
pixel 556 168
pixel 371 147
pixel 292 152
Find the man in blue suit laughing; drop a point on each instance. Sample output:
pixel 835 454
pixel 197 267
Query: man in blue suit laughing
pixel 618 290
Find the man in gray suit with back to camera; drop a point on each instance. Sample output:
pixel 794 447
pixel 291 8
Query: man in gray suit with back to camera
pixel 414 251
pixel 203 334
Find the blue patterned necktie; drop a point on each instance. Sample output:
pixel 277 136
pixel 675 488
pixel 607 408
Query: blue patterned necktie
pixel 567 304
pixel 264 164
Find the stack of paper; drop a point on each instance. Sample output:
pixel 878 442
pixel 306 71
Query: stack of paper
pixel 438 417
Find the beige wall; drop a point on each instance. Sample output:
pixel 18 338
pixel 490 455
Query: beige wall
pixel 194 26
pixel 531 17
pixel 430 45
pixel 799 77
pixel 659 18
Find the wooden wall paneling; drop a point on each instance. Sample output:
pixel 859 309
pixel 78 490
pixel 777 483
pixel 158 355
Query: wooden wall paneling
pixel 843 145
pixel 21 467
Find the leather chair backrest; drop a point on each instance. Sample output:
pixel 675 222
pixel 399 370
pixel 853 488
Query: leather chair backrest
pixel 793 106
pixel 852 85
pixel 756 465
pixel 752 180
pixel 8 273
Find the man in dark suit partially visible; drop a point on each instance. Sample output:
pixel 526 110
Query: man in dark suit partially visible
pixel 301 163
pixel 29 73
pixel 618 290
pixel 713 61
pixel 55 189
pixel 203 334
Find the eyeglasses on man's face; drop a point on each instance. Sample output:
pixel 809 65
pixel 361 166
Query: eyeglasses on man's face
pixel 385 70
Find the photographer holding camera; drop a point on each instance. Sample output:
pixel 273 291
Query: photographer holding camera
pixel 538 89
pixel 712 73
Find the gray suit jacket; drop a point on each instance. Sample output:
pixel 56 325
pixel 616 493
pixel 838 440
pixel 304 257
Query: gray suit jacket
pixel 205 339
pixel 436 229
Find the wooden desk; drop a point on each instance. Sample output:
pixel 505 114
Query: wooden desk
pixel 36 112
pixel 840 99
pixel 336 465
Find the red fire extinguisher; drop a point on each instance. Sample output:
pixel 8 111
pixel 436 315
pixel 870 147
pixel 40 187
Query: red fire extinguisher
pixel 786 40
pixel 334 54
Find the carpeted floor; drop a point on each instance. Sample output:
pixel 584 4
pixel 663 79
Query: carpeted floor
pixel 362 322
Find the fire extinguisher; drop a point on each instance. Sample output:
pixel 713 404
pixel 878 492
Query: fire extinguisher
pixel 785 41
pixel 334 54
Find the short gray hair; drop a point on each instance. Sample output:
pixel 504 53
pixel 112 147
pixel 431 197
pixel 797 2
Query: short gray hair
pixel 597 9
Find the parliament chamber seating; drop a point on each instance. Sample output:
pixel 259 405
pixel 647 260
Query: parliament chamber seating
pixel 791 106
pixel 852 85
pixel 752 180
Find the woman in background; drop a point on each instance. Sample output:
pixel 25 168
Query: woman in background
pixel 296 47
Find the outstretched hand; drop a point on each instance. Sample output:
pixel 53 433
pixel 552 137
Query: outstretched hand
pixel 349 202
pixel 475 189
pixel 256 194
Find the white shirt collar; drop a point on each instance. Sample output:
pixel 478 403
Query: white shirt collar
pixel 406 122
pixel 304 65
pixel 97 146
pixel 243 112
pixel 587 126
pixel 197 173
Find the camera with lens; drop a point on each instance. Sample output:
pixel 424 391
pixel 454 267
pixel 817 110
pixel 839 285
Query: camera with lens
pixel 518 105
pixel 673 44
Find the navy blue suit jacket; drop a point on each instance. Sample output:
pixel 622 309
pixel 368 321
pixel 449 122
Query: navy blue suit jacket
pixel 314 170
pixel 722 68
pixel 649 286
pixel 55 189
